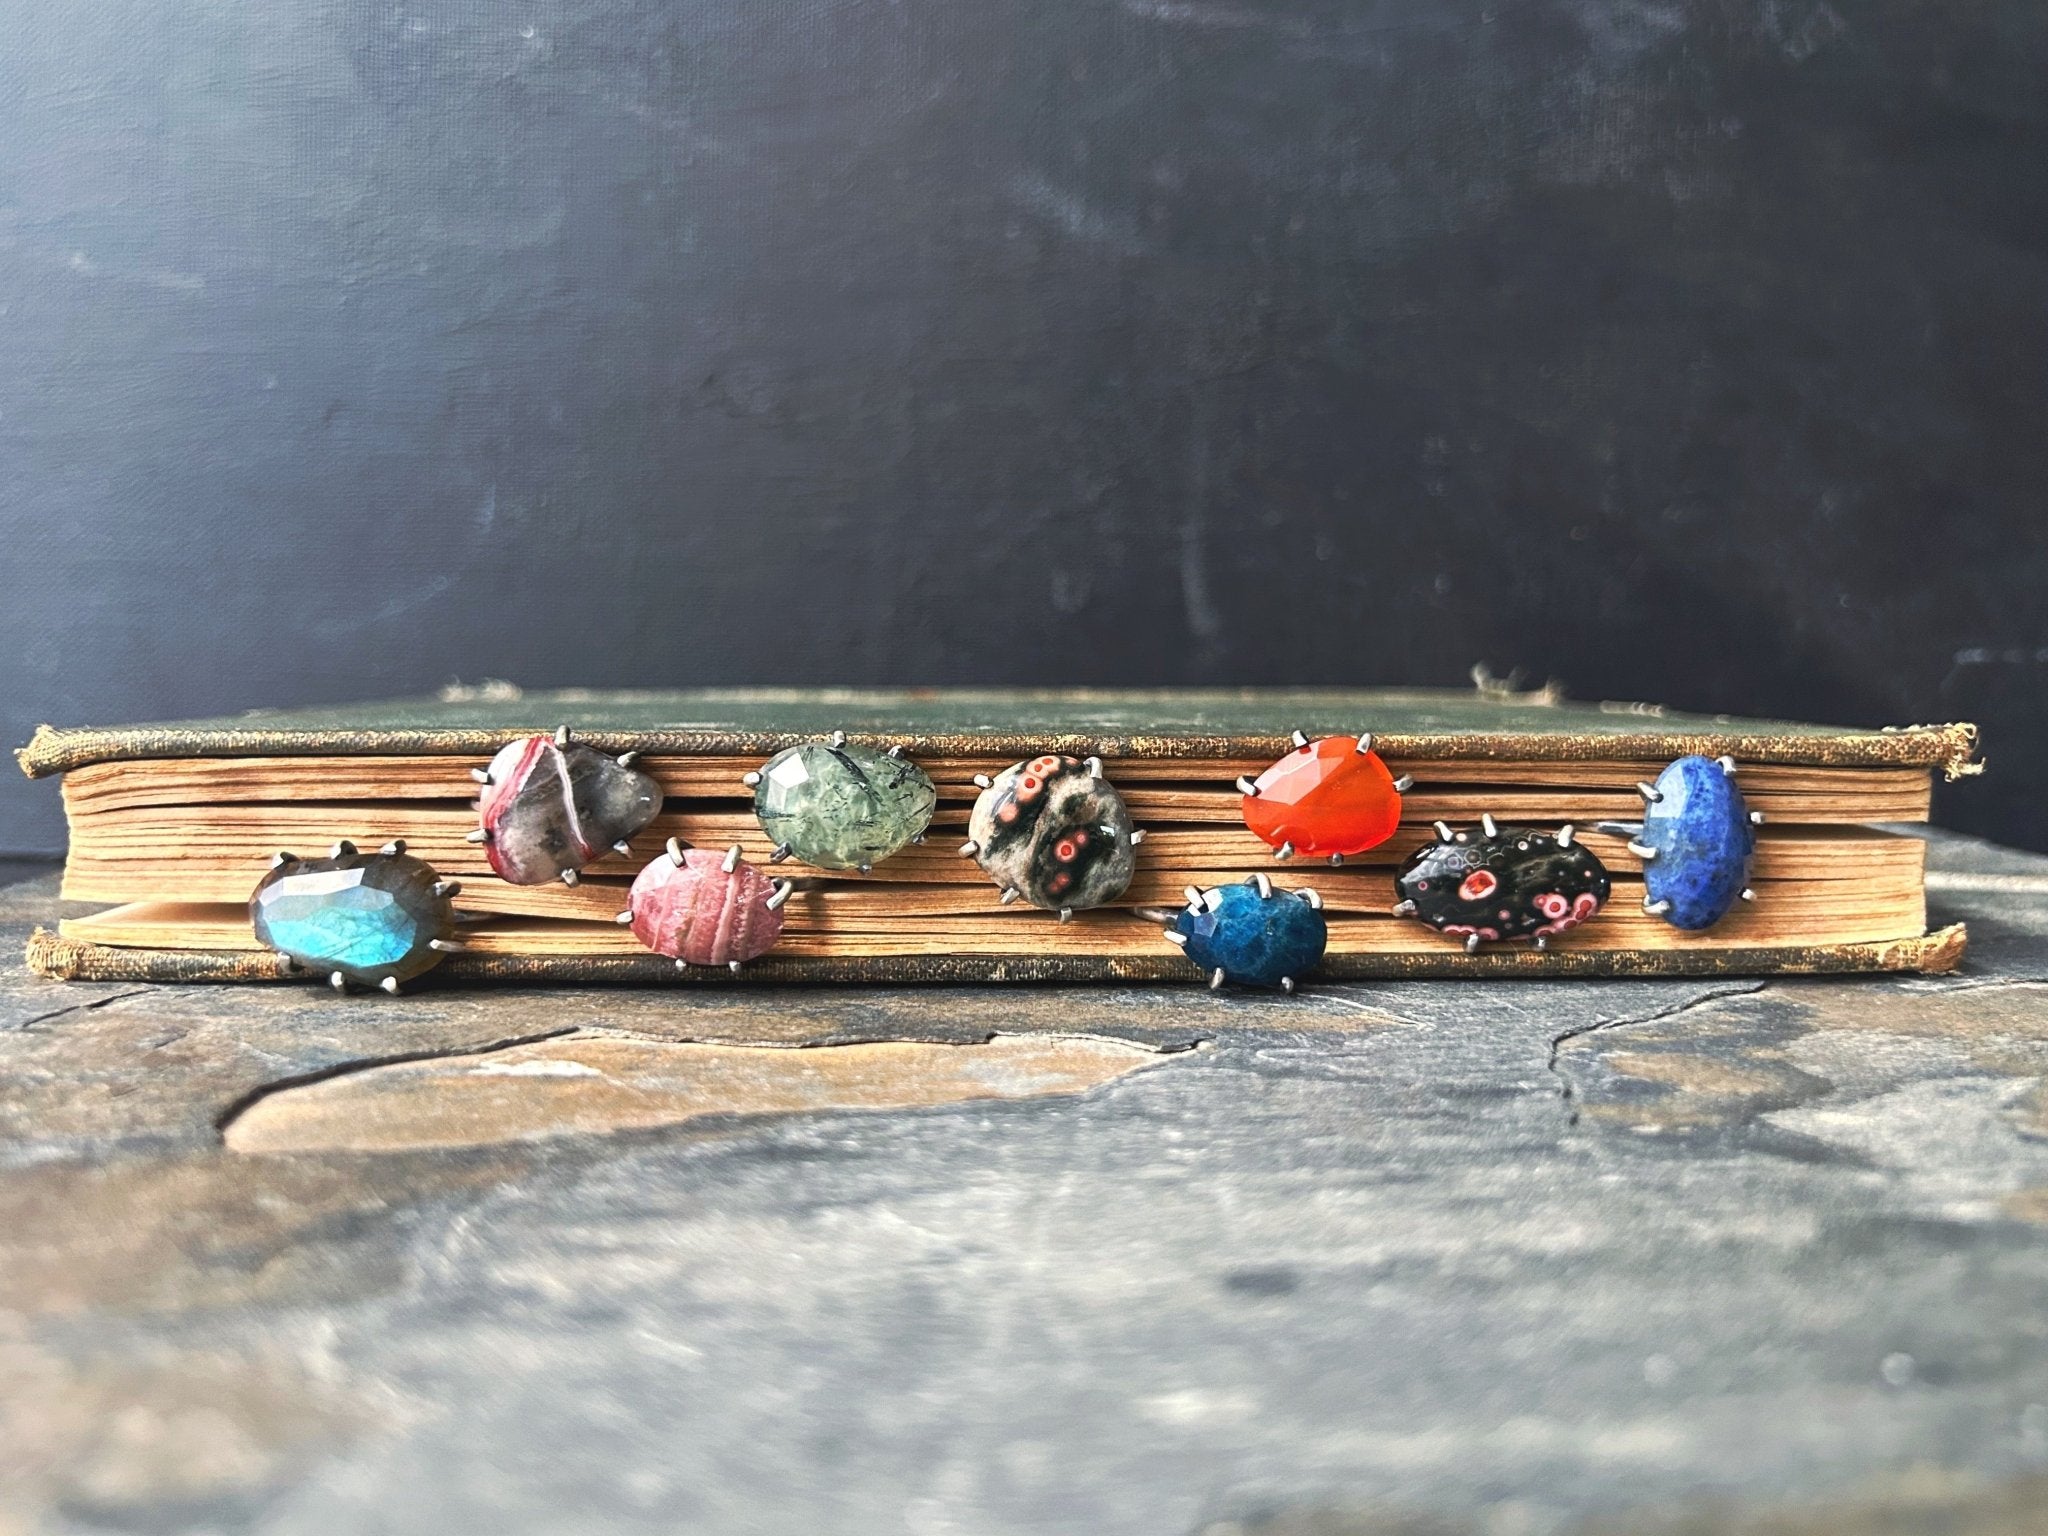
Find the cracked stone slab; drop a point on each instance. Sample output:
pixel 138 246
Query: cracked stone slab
pixel 1551 1259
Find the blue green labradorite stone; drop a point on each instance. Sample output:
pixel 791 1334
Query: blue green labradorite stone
pixel 1700 828
pixel 366 915
pixel 1255 940
pixel 844 806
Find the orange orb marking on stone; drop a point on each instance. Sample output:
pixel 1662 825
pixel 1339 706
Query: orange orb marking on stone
pixel 1325 798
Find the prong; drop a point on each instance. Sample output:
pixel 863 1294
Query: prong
pixel 1194 896
pixel 781 894
pixel 447 946
pixel 480 775
pixel 291 966
pixel 1488 825
pixel 1284 852
pixel 1471 943
pixel 983 781
pixel 839 738
pixel 1336 861
pixel 337 981
pixel 396 845
pixel 1066 914
pixel 1287 985
pixel 1299 738
pixel 1313 898
pixel 1246 787
pixel 1012 894
pixel 570 877
pixel 1443 832
pixel 1365 741
pixel 1542 942
pixel 1404 783
pixel 445 888
pixel 1093 765
pixel 1656 908
pixel 865 868
pixel 1727 765
pixel 732 859
pixel 1756 818
pixel 682 965
pixel 674 851
pixel 969 849
pixel 733 966
pixel 1651 793
pixel 1262 884
pixel 1642 851
pixel 479 835
pixel 623 847
pixel 562 736
pixel 1137 836
pixel 751 778
pixel 342 850
pixel 1176 938
pixel 1565 834
pixel 281 857
pixel 1216 979
pixel 1748 893
pixel 1404 909
pixel 895 751
pixel 390 985
pixel 919 838
pixel 781 853
pixel 623 918
pixel 627 759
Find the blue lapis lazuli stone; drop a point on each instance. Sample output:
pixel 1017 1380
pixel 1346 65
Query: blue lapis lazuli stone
pixel 1701 830
pixel 1256 941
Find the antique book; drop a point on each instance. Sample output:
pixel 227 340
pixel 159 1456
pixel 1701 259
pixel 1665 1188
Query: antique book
pixel 173 825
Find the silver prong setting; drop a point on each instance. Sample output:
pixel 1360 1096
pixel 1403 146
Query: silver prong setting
pixel 1404 783
pixel 1651 793
pixel 1656 908
pixel 623 918
pixel 1565 834
pixel 751 778
pixel 1216 979
pixel 627 759
pixel 983 781
pixel 1471 943
pixel 447 946
pixel 1756 818
pixel 970 849
pixel 1749 893
pixel 1299 738
pixel 1261 883
pixel 838 738
pixel 1365 741
pixel 674 849
pixel 1488 825
pixel 562 736
pixel 732 859
pixel 447 888
pixel 780 894
pixel 1137 836
pixel 395 846
pixel 1246 787
pixel 343 849
pixel 1405 909
pixel 1642 851
pixel 1012 894
pixel 477 835
pixel 1313 897
pixel 1444 833
pixel 480 775
pixel 337 981
pixel 1284 852
pixel 570 877
pixel 1176 938
pixel 781 854
pixel 389 985
pixel 1727 765
pixel 1287 985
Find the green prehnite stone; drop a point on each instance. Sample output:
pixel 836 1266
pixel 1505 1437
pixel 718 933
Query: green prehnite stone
pixel 843 807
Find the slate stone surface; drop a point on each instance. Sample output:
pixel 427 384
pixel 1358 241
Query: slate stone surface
pixel 1547 1257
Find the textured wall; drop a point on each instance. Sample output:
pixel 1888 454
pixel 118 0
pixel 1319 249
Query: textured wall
pixel 1695 351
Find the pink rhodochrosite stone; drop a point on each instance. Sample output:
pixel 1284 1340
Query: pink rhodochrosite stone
pixel 703 913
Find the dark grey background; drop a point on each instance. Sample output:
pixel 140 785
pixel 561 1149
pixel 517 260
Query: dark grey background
pixel 1695 352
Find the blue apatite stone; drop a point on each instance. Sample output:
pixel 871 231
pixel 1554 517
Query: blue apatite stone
pixel 1255 940
pixel 1704 842
pixel 367 916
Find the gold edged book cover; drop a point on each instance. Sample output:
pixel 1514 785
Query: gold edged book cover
pixel 174 826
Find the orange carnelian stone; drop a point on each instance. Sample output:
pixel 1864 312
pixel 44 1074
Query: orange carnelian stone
pixel 1327 797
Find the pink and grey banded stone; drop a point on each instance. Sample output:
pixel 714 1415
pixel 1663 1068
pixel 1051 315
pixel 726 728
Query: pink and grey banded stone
pixel 550 809
pixel 701 912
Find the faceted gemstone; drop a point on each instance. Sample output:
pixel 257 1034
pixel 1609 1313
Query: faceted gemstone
pixel 1054 833
pixel 1325 798
pixel 550 808
pixel 843 806
pixel 1701 830
pixel 367 916
pixel 1515 883
pixel 702 912
pixel 1255 940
